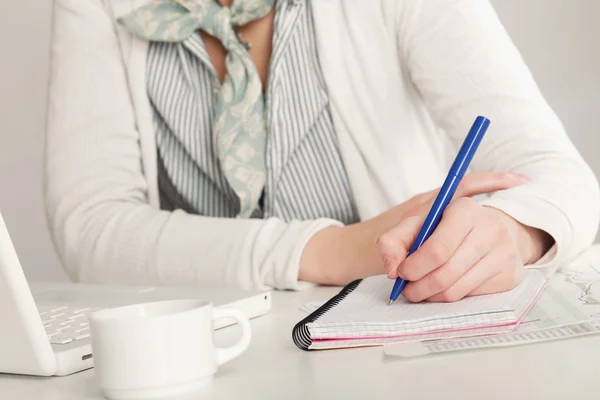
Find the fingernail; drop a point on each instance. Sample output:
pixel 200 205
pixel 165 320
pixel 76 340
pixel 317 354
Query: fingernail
pixel 398 271
pixel 524 178
pixel 390 264
pixel 521 178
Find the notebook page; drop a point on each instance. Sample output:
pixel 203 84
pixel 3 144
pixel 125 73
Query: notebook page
pixel 365 311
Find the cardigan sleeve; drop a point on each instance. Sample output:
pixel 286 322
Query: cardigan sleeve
pixel 463 64
pixel 97 205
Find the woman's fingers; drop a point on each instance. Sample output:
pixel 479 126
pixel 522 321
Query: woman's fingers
pixel 471 251
pixel 507 279
pixel 499 270
pixel 454 227
pixel 477 275
pixel 393 246
pixel 472 184
pixel 486 182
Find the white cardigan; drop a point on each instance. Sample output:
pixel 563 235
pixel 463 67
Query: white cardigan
pixel 403 76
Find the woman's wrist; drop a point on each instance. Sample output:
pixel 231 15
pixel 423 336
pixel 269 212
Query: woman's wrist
pixel 538 243
pixel 533 243
pixel 337 255
pixel 318 255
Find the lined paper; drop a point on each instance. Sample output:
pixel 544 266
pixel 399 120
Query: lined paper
pixel 365 313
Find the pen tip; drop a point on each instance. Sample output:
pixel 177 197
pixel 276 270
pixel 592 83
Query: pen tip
pixel 390 303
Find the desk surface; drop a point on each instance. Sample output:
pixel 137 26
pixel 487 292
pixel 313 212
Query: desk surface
pixel 273 368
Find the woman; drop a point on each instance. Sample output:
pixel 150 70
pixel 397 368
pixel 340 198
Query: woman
pixel 275 144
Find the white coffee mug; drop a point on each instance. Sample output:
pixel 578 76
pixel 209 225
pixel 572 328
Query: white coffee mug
pixel 160 349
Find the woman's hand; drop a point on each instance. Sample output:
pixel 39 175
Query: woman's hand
pixel 474 250
pixel 338 255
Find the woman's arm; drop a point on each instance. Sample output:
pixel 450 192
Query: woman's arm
pixel 103 227
pixel 463 64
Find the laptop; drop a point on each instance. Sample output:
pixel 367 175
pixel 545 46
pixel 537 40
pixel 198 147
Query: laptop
pixel 45 330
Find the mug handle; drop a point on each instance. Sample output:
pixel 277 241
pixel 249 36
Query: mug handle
pixel 225 354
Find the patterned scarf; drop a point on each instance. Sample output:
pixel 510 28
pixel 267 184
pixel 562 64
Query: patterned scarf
pixel 239 131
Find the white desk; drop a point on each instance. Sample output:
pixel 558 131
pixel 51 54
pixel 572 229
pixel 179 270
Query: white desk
pixel 273 368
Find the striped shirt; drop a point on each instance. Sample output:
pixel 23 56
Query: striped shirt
pixel 306 178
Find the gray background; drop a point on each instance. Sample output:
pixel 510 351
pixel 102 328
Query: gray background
pixel 558 39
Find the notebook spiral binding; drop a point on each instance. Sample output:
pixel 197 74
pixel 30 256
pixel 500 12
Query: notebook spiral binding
pixel 301 334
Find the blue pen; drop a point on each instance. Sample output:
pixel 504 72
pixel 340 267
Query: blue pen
pixel 456 173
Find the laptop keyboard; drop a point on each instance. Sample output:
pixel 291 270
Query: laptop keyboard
pixel 66 324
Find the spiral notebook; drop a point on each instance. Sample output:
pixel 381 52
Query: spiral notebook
pixel 359 315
